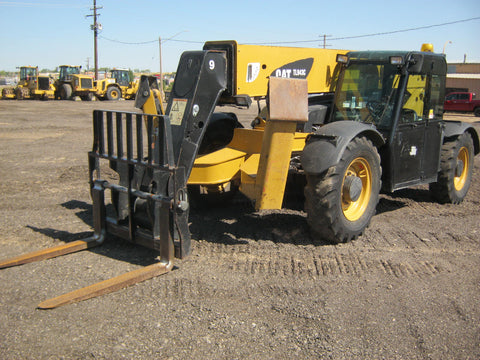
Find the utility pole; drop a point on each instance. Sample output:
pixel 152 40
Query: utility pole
pixel 160 53
pixel 95 27
pixel 161 72
pixel 325 40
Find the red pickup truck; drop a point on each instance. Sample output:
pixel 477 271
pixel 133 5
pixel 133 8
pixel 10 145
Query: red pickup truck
pixel 462 102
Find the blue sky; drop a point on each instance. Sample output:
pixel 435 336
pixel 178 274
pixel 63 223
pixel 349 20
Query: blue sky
pixel 49 33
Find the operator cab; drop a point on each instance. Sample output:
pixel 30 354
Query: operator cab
pixel 28 73
pixel 66 72
pixel 121 76
pixel 401 94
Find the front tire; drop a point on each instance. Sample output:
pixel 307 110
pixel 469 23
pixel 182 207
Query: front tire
pixel 113 93
pixel 66 92
pixel 456 169
pixel 20 94
pixel 341 202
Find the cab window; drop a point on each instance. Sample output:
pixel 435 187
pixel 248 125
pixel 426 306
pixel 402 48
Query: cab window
pixel 414 99
pixel 422 99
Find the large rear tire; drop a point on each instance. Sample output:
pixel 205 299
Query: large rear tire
pixel 20 94
pixel 66 92
pixel 113 93
pixel 456 170
pixel 341 202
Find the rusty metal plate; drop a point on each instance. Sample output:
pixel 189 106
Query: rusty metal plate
pixel 288 99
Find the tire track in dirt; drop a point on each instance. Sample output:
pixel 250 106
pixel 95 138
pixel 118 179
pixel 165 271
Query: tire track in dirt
pixel 312 263
pixel 387 248
pixel 270 270
pixel 278 244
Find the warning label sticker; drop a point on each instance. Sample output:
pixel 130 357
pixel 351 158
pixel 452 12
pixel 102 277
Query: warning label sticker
pixel 253 69
pixel 177 111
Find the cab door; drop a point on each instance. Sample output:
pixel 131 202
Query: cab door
pixel 408 152
pixel 418 137
pixel 433 128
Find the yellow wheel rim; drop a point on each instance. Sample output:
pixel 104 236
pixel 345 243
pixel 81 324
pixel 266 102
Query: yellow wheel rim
pixel 460 179
pixel 114 94
pixel 353 210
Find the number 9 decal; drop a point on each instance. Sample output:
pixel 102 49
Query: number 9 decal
pixel 211 64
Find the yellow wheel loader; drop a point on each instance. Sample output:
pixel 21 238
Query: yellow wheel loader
pixel 117 85
pixel 71 83
pixel 30 86
pixel 382 128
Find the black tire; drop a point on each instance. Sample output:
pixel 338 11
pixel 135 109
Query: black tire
pixel 65 92
pixel 476 111
pixel 113 93
pixel 19 94
pixel 8 91
pixel 88 97
pixel 338 210
pixel 456 169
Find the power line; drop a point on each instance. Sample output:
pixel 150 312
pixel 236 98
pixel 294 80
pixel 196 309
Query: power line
pixel 188 41
pixel 307 41
pixel 128 43
pixel 373 34
pixel 37 4
pixel 405 30
pixel 150 42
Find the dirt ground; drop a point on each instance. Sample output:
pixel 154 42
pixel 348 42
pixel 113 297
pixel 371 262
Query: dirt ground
pixel 257 286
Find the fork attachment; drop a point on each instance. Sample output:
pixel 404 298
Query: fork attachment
pixel 144 161
pixel 153 155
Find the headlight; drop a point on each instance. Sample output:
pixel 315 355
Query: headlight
pixel 341 58
pixel 396 60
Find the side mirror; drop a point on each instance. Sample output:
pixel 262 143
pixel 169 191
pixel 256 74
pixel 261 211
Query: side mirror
pixel 415 63
pixel 408 116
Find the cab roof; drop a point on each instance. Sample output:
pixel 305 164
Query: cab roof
pixel 417 62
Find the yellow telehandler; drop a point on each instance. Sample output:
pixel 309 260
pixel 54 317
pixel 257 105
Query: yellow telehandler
pixel 350 123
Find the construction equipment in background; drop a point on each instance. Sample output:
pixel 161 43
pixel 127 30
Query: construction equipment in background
pixel 71 83
pixel 383 128
pixel 117 85
pixel 31 85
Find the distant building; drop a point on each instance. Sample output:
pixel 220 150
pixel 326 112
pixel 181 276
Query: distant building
pixel 463 77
